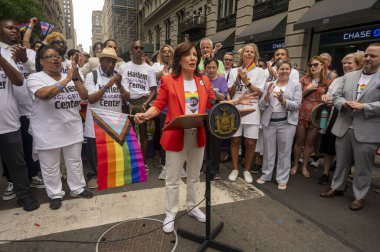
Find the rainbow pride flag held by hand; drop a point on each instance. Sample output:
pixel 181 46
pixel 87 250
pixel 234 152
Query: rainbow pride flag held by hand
pixel 120 160
pixel 23 27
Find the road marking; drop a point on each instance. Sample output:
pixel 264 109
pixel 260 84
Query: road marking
pixel 16 224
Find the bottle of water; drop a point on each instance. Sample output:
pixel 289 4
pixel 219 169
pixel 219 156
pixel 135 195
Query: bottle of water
pixel 323 121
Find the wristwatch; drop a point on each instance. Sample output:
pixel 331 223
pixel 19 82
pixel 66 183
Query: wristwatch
pixel 75 79
pixel 248 85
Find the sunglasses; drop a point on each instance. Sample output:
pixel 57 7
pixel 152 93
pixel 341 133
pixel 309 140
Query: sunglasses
pixel 50 57
pixel 58 42
pixel 138 47
pixel 314 65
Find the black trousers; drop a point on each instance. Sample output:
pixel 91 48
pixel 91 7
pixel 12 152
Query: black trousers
pixel 92 158
pixel 213 149
pixel 27 143
pixel 11 151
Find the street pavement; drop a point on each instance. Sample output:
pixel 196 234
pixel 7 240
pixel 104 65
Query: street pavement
pixel 256 217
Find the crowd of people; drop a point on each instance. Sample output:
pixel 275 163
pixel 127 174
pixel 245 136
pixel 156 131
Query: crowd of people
pixel 298 118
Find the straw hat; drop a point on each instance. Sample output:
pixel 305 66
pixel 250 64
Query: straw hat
pixel 109 52
pixel 316 113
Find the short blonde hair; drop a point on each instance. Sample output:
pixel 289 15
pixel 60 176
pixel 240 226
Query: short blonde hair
pixel 49 38
pixel 159 56
pixel 358 58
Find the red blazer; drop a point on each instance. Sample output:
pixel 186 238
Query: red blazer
pixel 171 93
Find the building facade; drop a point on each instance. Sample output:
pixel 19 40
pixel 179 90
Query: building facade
pixel 53 10
pixel 96 27
pixel 119 22
pixel 70 33
pixel 304 27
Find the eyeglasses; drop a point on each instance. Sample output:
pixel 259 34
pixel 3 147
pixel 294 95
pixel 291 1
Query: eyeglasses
pixel 58 42
pixel 50 57
pixel 228 60
pixel 138 47
pixel 314 65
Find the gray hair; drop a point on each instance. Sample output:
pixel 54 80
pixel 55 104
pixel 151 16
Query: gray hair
pixel 206 40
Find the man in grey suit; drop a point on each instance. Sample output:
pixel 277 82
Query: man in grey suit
pixel 357 127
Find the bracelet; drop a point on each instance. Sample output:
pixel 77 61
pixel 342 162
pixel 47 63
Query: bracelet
pixel 104 88
pixel 28 27
pixel 59 86
pixel 283 101
pixel 248 85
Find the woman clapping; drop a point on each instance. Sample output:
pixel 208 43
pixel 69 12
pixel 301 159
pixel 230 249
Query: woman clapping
pixel 56 124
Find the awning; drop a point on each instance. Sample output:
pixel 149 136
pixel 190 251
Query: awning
pixel 329 14
pixel 226 37
pixel 272 27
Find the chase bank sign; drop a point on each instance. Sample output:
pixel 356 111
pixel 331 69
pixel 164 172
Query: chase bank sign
pixel 352 35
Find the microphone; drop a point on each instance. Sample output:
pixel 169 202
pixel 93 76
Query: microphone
pixel 212 101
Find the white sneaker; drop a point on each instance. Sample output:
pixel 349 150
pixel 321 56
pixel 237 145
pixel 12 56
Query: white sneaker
pixel 260 181
pixel 248 177
pixel 168 225
pixel 163 174
pixel 233 175
pixel 183 173
pixel 197 214
pixel 37 182
pixel 315 164
pixel 9 193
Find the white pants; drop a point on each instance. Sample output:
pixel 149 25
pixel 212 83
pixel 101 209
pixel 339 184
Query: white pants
pixel 193 155
pixel 278 139
pixel 50 169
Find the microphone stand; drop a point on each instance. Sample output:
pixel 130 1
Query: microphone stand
pixel 208 241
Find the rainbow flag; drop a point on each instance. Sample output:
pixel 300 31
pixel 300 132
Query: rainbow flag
pixel 120 160
pixel 46 28
pixel 23 27
pixel 250 65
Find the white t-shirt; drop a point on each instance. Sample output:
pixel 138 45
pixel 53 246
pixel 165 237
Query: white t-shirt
pixel 110 101
pixel 294 74
pixel 277 106
pixel 55 122
pixel 9 118
pixel 191 97
pixel 257 79
pixel 138 79
pixel 363 81
pixel 24 100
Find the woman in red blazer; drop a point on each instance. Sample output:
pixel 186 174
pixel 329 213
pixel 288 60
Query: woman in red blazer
pixel 184 92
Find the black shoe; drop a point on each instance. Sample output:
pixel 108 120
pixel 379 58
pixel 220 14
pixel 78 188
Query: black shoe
pixel 256 168
pixel 55 203
pixel 85 194
pixel 216 177
pixel 28 204
pixel 324 179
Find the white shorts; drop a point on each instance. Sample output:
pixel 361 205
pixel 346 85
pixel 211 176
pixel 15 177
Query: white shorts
pixel 250 131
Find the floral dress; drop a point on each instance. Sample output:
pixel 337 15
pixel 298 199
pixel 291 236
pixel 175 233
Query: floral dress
pixel 309 102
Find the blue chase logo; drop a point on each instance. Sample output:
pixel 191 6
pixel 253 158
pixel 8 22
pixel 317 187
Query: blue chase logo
pixel 376 33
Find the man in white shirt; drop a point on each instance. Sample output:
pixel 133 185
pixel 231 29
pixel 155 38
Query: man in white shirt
pixel 10 135
pixel 271 71
pixel 139 79
pixel 104 92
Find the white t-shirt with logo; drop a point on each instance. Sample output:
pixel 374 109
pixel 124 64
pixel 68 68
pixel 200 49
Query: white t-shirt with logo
pixel 24 100
pixel 110 101
pixel 191 97
pixel 138 79
pixel 257 79
pixel 9 118
pixel 363 81
pixel 55 122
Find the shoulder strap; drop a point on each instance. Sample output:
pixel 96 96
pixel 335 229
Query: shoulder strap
pixel 95 76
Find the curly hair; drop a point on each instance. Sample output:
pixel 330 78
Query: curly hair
pixel 49 38
pixel 159 56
